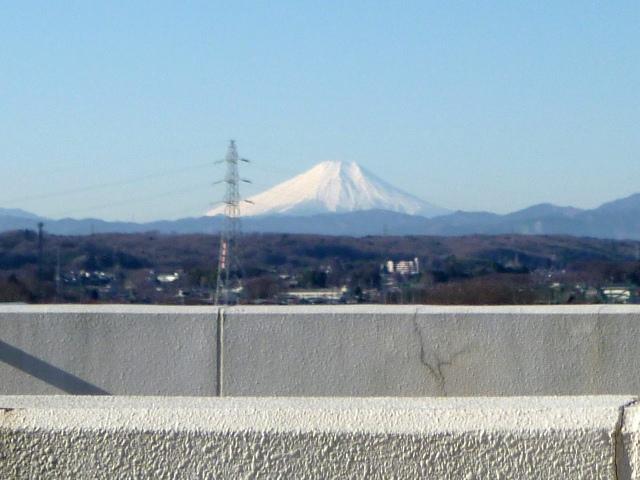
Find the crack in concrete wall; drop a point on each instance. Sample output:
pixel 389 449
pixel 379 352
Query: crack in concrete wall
pixel 435 365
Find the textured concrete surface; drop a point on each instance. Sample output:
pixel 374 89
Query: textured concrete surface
pixel 122 349
pixel 629 459
pixel 102 437
pixel 434 351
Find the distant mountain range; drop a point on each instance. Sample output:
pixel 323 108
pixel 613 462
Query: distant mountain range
pixel 338 198
pixel 619 219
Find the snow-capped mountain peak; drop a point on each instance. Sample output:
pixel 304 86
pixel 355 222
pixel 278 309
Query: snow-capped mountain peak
pixel 334 186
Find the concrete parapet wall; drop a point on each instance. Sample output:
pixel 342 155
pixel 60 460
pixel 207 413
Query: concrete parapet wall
pixel 441 351
pixel 111 437
pixel 320 351
pixel 90 349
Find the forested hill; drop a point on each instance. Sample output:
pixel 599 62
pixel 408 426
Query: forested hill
pixel 123 267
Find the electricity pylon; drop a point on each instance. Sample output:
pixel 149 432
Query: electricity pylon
pixel 229 268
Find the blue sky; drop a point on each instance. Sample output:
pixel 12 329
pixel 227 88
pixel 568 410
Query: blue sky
pixel 115 109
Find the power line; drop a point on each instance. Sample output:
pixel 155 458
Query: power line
pixel 146 198
pixel 188 211
pixel 286 171
pixel 88 188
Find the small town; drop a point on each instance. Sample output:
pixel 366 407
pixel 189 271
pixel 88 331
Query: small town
pixel 180 270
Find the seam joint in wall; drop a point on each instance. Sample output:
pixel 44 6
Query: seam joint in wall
pixel 219 352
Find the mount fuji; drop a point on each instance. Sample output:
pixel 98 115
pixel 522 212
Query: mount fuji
pixel 334 187
pixel 336 198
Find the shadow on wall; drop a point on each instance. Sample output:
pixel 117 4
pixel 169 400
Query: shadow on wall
pixel 46 372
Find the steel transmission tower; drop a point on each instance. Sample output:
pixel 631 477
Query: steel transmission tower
pixel 229 268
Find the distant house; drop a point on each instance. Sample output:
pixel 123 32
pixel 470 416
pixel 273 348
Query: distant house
pixel 403 267
pixel 619 293
pixel 96 277
pixel 167 277
pixel 591 293
pixel 321 295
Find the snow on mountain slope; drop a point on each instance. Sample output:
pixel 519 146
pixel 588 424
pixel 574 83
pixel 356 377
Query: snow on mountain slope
pixel 334 186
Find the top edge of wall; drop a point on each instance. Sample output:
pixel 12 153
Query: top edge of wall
pixel 484 403
pixel 381 415
pixel 104 308
pixel 436 309
pixel 325 309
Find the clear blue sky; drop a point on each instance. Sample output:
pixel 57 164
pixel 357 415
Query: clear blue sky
pixel 470 105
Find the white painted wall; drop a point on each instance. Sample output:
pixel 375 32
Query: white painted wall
pixel 320 351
